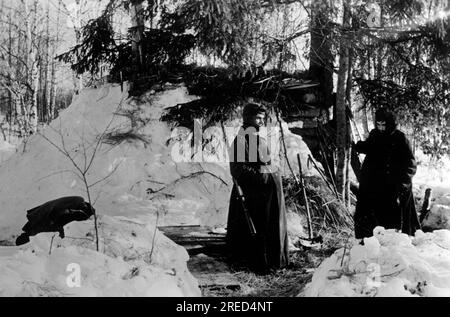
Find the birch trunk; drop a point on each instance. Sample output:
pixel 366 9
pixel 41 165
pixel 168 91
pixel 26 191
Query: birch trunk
pixel 341 118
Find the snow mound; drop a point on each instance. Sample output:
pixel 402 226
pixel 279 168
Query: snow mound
pixel 438 217
pixel 135 260
pixel 389 264
pixel 118 176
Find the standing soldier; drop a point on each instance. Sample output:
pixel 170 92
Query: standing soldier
pixel 385 195
pixel 256 230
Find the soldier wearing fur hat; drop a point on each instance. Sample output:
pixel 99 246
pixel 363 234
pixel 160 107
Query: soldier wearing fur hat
pixel 257 229
pixel 385 195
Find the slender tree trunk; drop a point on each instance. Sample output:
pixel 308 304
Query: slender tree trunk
pixel 46 92
pixel 380 52
pixel 138 34
pixel 10 97
pixel 18 113
pixel 35 95
pixel 32 63
pixel 320 55
pixel 52 106
pixel 352 158
pixel 365 121
pixel 341 117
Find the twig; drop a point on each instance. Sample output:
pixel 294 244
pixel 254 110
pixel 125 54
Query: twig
pixel 74 238
pixel 107 176
pixel 87 164
pixel 51 244
pixel 192 175
pixel 56 173
pixel 154 237
pixel 345 250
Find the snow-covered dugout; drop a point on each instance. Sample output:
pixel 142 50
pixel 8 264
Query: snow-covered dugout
pixel 136 187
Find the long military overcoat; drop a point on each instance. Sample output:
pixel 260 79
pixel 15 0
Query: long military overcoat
pixel 264 199
pixel 385 195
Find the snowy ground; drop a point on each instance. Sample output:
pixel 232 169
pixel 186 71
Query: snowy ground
pixel 126 266
pixel 389 264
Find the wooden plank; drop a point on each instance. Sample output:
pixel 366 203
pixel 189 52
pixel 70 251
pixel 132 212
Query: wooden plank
pixel 219 280
pixel 303 124
pixel 192 235
pixel 306 113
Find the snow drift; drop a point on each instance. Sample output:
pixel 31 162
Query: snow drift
pixel 389 264
pixel 135 259
pixel 128 264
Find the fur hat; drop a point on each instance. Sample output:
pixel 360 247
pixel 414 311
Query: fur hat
pixel 251 110
pixel 387 116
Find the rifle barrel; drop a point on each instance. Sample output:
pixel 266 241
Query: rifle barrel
pixel 247 217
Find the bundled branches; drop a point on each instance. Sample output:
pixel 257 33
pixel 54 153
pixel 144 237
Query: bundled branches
pixel 224 90
pixel 326 210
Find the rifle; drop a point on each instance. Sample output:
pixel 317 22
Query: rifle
pixel 247 217
pixel 260 261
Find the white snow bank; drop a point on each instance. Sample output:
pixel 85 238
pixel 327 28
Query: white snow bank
pixel 134 261
pixel 119 177
pixel 437 218
pixel 389 264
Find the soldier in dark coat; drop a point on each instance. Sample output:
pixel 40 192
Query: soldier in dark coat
pixel 261 185
pixel 54 215
pixel 385 195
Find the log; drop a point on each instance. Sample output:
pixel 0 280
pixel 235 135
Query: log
pixel 193 235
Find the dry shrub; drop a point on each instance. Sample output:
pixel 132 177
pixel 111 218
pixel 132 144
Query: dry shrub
pixel 327 211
